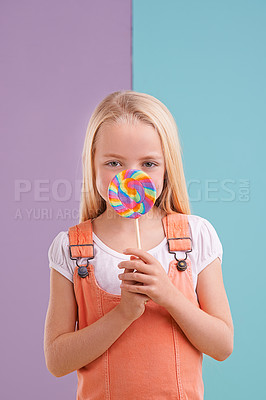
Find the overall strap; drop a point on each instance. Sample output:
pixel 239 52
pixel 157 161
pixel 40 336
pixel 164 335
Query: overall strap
pixel 81 245
pixel 176 228
pixel 80 240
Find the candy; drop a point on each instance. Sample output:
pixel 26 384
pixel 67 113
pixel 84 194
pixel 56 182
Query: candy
pixel 131 193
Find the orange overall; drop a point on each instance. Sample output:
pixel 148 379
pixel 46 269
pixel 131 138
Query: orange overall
pixel 152 359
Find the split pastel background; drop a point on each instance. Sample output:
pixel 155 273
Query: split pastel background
pixel 206 61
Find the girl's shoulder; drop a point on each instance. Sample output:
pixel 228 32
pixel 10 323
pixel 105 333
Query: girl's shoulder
pixel 196 218
pixel 58 255
pixel 205 241
pixel 199 224
pixel 60 241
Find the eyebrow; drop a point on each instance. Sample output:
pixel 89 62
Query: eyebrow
pixel 154 155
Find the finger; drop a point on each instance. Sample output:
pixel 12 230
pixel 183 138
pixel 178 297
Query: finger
pixel 133 288
pixel 135 264
pixel 134 258
pixel 146 257
pixel 129 269
pixel 129 282
pixel 135 276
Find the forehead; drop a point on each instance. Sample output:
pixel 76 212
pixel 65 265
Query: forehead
pixel 124 138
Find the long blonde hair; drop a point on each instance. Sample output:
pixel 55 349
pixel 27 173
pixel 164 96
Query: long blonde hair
pixel 132 107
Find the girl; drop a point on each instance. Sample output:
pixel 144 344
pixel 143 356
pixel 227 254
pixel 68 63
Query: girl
pixel 141 333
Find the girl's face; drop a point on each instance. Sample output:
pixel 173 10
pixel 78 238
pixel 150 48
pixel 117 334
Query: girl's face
pixel 123 146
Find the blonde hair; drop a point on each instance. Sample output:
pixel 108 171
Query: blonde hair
pixel 133 107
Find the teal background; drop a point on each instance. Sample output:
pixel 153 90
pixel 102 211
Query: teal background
pixel 206 61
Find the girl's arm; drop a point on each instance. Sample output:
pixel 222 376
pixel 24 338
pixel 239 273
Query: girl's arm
pixel 210 327
pixel 65 349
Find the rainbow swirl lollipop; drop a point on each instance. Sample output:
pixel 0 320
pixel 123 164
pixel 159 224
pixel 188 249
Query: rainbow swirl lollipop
pixel 131 193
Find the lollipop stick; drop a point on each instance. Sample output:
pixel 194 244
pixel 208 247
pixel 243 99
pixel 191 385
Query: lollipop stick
pixel 138 236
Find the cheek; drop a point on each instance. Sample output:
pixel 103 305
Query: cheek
pixel 161 182
pixel 100 182
pixel 158 182
pixel 159 189
pixel 103 180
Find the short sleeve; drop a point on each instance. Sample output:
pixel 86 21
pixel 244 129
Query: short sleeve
pixel 209 246
pixel 58 255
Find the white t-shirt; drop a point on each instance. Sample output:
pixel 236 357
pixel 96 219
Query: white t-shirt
pixel 206 246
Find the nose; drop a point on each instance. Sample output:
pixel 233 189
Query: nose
pixel 134 166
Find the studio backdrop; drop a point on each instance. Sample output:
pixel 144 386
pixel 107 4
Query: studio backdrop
pixel 206 61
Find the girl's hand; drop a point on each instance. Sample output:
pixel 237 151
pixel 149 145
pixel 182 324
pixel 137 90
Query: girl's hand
pixel 132 305
pixel 151 278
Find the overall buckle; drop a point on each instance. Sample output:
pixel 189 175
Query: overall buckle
pixel 82 269
pixel 181 264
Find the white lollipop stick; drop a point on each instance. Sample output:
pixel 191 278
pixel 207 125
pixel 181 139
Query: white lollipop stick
pixel 138 235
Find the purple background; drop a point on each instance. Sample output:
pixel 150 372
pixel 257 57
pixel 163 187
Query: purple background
pixel 58 60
